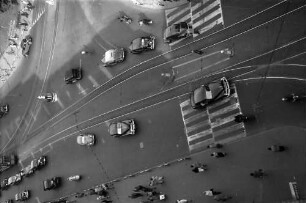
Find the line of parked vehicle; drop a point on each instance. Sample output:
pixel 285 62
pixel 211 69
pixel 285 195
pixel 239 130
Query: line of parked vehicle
pixel 36 164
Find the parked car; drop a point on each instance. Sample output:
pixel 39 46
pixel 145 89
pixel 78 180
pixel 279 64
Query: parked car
pixel 26 45
pixel 52 183
pixel 177 31
pixel 4 184
pixel 22 196
pixel 122 128
pixel 39 163
pixel 113 56
pixel 86 139
pixel 142 44
pixel 14 180
pixel 209 93
pixel 4 110
pixel 73 75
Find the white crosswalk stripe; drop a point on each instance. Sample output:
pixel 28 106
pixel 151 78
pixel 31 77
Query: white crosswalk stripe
pixel 213 124
pixel 203 15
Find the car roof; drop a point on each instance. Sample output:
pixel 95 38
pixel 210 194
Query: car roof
pixel 118 128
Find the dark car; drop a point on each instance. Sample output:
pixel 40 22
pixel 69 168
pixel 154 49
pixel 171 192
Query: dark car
pixel 51 183
pixel 122 128
pixel 26 45
pixel 209 93
pixel 177 31
pixel 4 110
pixel 22 196
pixel 4 184
pixel 73 75
pixel 141 44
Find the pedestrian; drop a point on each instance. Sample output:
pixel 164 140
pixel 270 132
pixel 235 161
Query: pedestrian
pixel 198 167
pixel 154 180
pixel 135 195
pixel 143 188
pixel 276 148
pixel 240 118
pixel 211 192
pixel 218 154
pixel 222 197
pixel 215 145
pixel 258 174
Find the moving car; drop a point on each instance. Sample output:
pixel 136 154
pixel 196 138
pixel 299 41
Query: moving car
pixel 177 31
pixel 26 45
pixel 113 56
pixel 209 93
pixel 4 110
pixel 141 44
pixel 49 97
pixel 73 75
pixel 122 128
pixel 86 139
pixel 4 184
pixel 22 196
pixel 51 183
pixel 13 180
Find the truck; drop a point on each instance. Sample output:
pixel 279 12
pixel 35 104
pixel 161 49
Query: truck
pixel 7 161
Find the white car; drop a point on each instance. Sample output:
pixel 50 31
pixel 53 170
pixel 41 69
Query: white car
pixel 113 56
pixel 86 139
pixel 15 179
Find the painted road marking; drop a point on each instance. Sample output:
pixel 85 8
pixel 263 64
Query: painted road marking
pixel 37 199
pixel 82 90
pixel 93 81
pixel 106 71
pixel 60 103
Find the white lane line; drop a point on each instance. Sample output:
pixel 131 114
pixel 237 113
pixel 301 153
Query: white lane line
pixel 37 199
pixel 68 94
pixel 192 73
pixel 106 71
pixel 7 133
pixel 196 59
pixel 82 90
pixel 93 81
pixel 60 103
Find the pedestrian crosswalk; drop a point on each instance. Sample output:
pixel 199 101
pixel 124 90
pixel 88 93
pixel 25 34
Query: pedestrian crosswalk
pixel 213 124
pixel 203 15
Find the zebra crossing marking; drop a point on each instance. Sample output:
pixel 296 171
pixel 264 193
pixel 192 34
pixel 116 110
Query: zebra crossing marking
pixel 203 16
pixel 213 124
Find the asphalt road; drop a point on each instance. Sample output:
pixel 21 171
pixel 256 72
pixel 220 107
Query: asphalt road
pixel 265 52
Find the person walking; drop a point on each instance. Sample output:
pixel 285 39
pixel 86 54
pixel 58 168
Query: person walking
pixel 218 154
pixel 240 118
pixel 276 148
pixel 198 167
pixel 258 174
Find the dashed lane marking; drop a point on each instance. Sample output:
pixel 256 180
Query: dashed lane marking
pixel 106 72
pixel 60 103
pixel 93 81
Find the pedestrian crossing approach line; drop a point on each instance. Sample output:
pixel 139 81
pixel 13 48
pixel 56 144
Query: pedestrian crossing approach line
pixel 185 103
pixel 194 118
pixel 198 126
pixel 236 126
pixel 223 101
pixel 201 144
pixel 182 12
pixel 205 11
pixel 223 121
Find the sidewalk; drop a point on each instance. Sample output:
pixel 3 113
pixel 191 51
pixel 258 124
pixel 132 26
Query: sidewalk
pixel 229 175
pixel 160 4
pixel 12 57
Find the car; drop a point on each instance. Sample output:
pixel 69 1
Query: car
pixel 209 93
pixel 14 180
pixel 52 183
pixel 22 196
pixel 4 110
pixel 86 139
pixel 73 75
pixel 39 163
pixel 26 45
pixel 8 201
pixel 49 97
pixel 4 184
pixel 113 56
pixel 177 31
pixel 122 128
pixel 142 44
